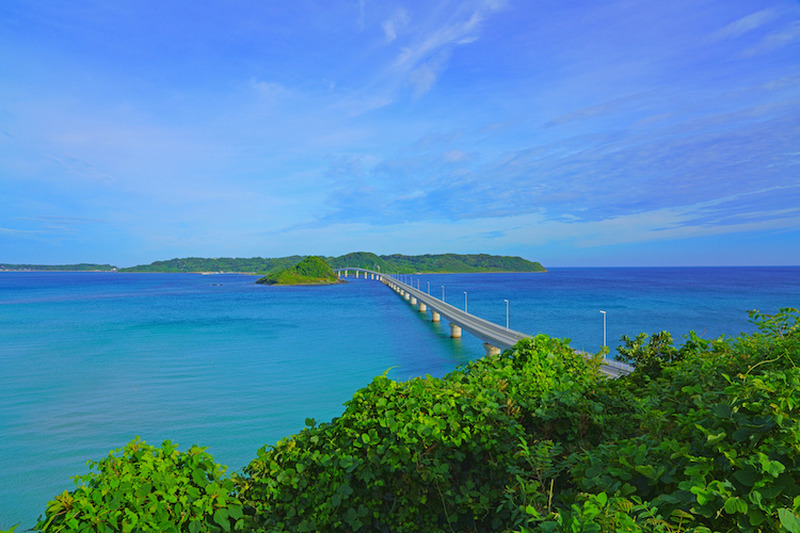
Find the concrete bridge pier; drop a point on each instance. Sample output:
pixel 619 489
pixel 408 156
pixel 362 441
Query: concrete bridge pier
pixel 455 331
pixel 422 307
pixel 413 301
pixel 407 296
pixel 435 317
pixel 491 350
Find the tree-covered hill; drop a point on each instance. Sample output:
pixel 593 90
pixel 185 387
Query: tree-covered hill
pixel 218 264
pixel 312 270
pixel 434 263
pixel 397 263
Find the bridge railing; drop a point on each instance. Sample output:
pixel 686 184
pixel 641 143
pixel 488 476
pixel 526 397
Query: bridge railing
pixel 494 335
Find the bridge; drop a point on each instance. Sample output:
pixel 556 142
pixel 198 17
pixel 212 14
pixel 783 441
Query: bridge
pixel 494 336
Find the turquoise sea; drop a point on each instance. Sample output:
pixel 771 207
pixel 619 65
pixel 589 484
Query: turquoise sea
pixel 88 361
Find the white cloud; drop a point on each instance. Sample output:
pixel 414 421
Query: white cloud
pixel 423 60
pixel 746 24
pixel 776 40
pixel 388 31
pixel 399 21
pixel 525 231
pixel 269 91
pixel 17 232
pixel 455 156
pixel 410 196
pixel 424 76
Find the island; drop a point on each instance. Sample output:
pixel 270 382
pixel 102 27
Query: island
pixel 312 270
pixel 394 264
pixel 391 264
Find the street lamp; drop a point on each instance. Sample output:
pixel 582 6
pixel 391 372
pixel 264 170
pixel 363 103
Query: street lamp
pixel 506 301
pixel 465 301
pixel 442 292
pixel 429 287
pixel 604 328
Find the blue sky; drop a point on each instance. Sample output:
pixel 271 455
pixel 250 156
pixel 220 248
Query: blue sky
pixel 575 133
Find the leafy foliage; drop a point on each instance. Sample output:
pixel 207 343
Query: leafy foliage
pixel 310 271
pixel 718 447
pixel 704 437
pixel 144 488
pixel 648 354
pixel 460 453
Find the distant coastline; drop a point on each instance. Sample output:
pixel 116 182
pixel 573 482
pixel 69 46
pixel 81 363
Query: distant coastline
pixel 81 267
pixel 395 264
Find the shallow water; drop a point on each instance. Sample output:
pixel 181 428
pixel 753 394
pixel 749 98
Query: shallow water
pixel 90 360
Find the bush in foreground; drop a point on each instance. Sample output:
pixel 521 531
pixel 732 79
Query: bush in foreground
pixel 704 437
pixel 463 453
pixel 144 488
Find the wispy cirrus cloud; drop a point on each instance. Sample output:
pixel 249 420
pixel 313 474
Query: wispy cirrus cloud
pixel 84 169
pixel 776 40
pixel 423 40
pixel 482 124
pixel 723 166
pixel 397 22
pixel 746 24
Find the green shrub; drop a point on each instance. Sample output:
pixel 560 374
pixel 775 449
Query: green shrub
pixel 719 446
pixel 144 488
pixel 700 438
pixel 463 453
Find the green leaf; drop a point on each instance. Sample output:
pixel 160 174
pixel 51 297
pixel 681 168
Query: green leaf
pixel 602 498
pixel 713 439
pixel 789 520
pixel 221 518
pixel 734 505
pixel 235 511
pixel 773 468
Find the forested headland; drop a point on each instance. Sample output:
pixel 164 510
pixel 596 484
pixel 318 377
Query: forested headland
pixel 700 437
pixel 395 264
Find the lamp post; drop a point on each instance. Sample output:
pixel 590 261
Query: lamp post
pixel 506 301
pixel 442 292
pixel 429 287
pixel 604 328
pixel 465 301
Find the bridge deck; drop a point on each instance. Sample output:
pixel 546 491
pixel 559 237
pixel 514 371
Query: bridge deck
pixel 488 332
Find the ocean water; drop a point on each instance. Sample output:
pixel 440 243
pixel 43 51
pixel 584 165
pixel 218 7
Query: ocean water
pixel 88 361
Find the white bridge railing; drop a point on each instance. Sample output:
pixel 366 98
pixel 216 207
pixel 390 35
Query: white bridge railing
pixel 494 336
